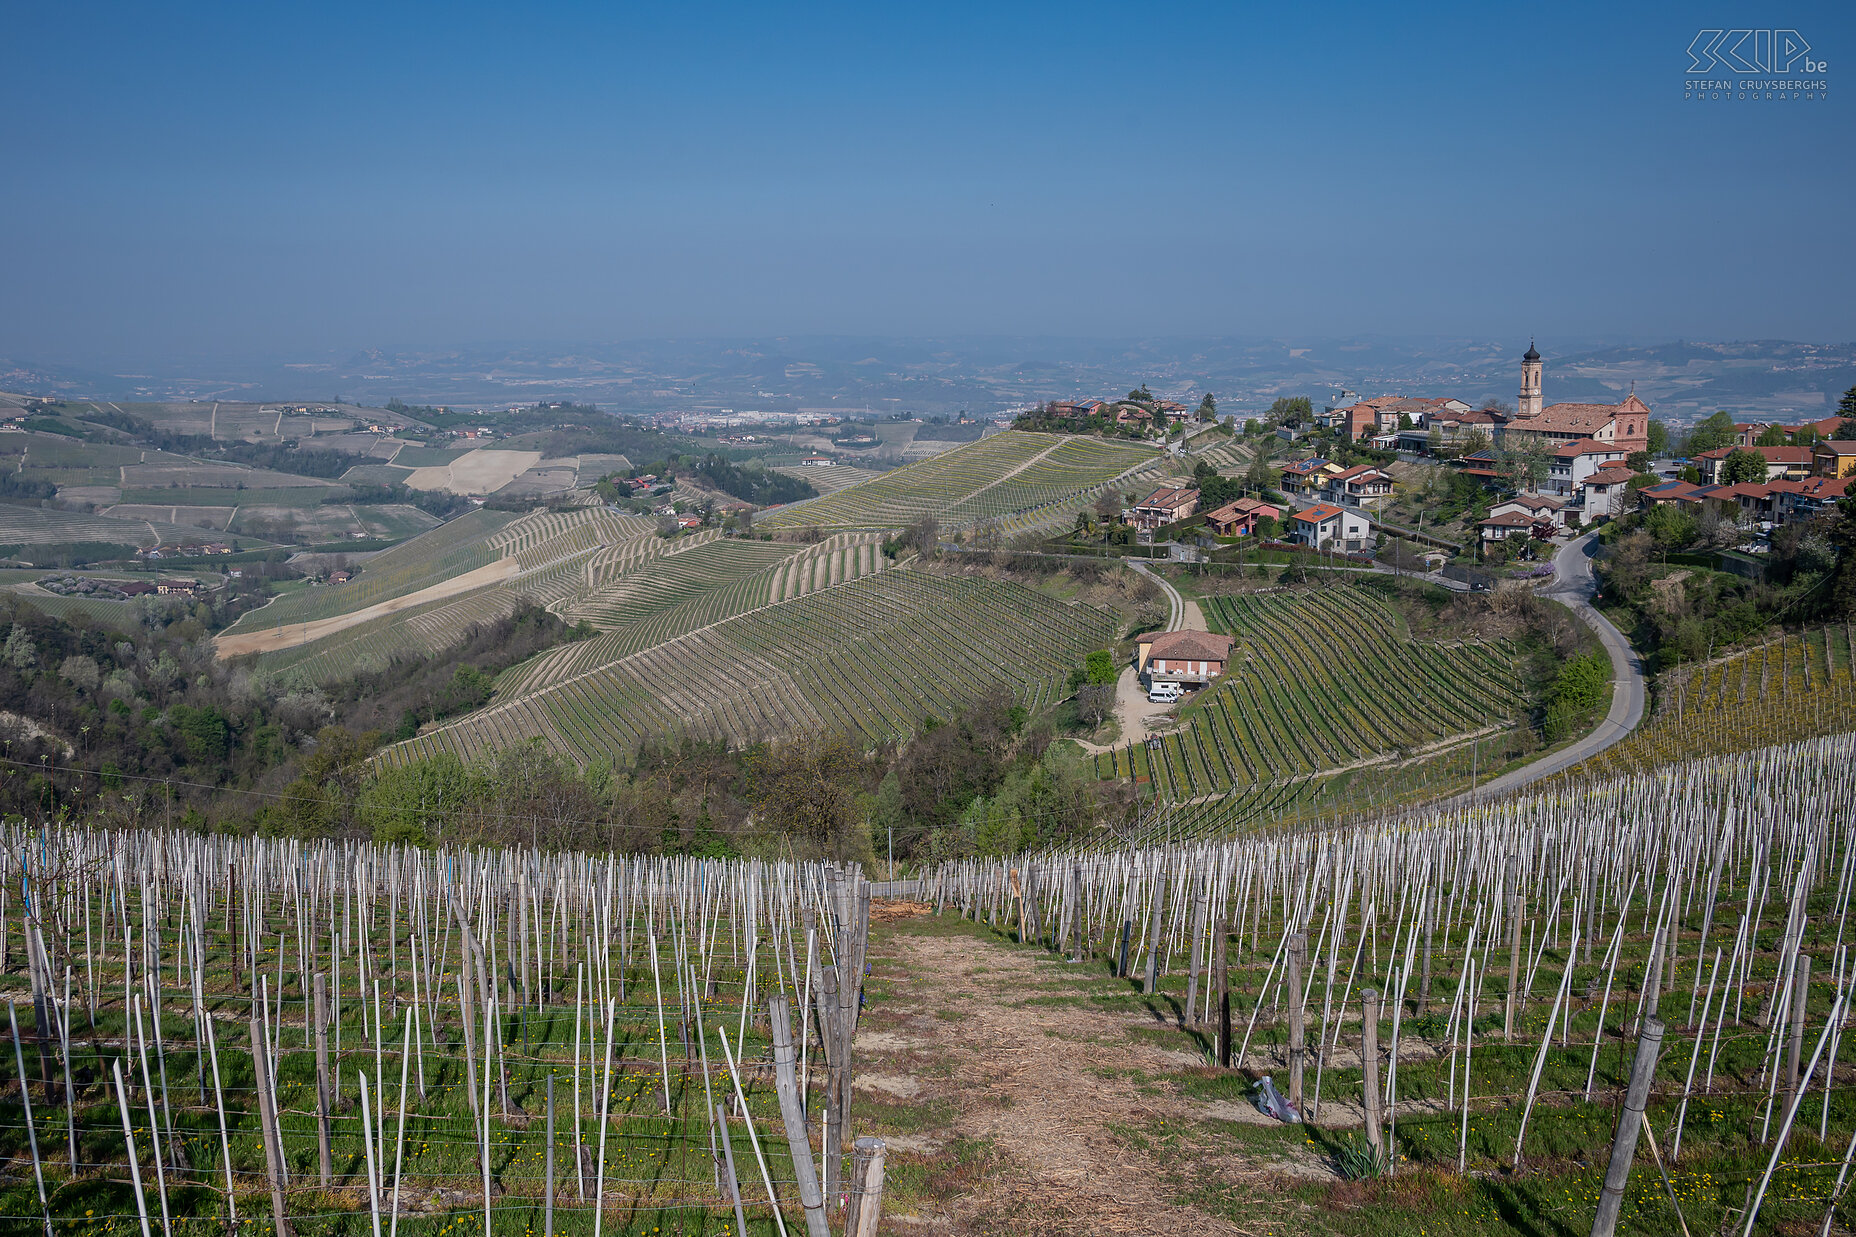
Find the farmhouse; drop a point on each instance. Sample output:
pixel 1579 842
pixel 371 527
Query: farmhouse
pixel 177 588
pixel 1325 526
pixel 1182 656
pixel 1166 505
pixel 1240 517
pixel 818 461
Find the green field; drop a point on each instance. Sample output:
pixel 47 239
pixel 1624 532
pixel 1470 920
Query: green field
pixel 872 657
pixel 1319 680
pixel 1000 476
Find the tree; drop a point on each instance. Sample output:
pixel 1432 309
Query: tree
pixel 1404 421
pixel 808 792
pixel 1743 465
pixel 1846 429
pixel 1771 436
pixel 1528 463
pixel 1100 667
pixel 1094 702
pixel 1252 426
pixel 1208 408
pixel 1712 434
pixel 1638 461
pixel 1476 439
pixel 1843 537
pixel 1658 435
pixel 1846 407
pixel 1495 404
pixel 1291 410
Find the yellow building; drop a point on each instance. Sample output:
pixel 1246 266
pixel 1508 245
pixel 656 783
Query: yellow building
pixel 1834 458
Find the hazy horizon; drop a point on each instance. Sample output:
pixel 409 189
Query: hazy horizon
pixel 240 184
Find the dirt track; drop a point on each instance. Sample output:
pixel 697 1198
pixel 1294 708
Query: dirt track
pixel 292 634
pixel 985 1034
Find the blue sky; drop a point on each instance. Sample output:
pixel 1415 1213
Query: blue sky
pixel 267 180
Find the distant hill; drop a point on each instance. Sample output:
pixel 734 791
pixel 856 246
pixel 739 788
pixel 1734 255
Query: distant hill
pixel 1754 378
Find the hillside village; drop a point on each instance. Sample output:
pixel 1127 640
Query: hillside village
pixel 1548 471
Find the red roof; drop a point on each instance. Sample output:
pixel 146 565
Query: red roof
pixel 1585 446
pixel 1171 496
pixel 1358 470
pixel 1509 519
pixel 1189 646
pixel 1317 513
pixel 1773 455
pixel 1610 476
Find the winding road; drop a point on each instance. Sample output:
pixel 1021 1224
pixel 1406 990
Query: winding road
pixel 1574 586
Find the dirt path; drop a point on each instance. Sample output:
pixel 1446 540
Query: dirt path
pixel 292 634
pixel 1135 714
pixel 1047 1084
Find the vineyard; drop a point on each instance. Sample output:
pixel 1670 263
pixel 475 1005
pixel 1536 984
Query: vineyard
pixel 712 580
pixel 872 657
pixel 1618 1006
pixel 29 526
pixel 994 477
pixel 1319 681
pixel 1791 687
pixel 335 1040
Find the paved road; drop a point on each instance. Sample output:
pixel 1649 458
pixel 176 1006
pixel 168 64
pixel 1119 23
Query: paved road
pixel 1175 604
pixel 1574 585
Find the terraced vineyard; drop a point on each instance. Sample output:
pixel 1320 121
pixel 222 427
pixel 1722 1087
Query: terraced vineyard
pixel 1319 680
pixel 871 657
pixel 998 476
pixel 694 584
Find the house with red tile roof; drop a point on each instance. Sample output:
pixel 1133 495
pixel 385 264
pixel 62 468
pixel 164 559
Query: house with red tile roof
pixel 1326 526
pixel 1834 458
pixel 1240 517
pixel 1189 657
pixel 1308 477
pixel 1511 524
pixel 1791 462
pixel 1359 486
pixel 1800 500
pixel 1575 461
pixel 1167 505
pixel 1606 492
pixel 1535 507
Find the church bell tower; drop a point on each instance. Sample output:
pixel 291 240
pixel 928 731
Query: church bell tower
pixel 1530 382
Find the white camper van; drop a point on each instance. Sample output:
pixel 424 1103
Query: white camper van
pixel 1164 693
